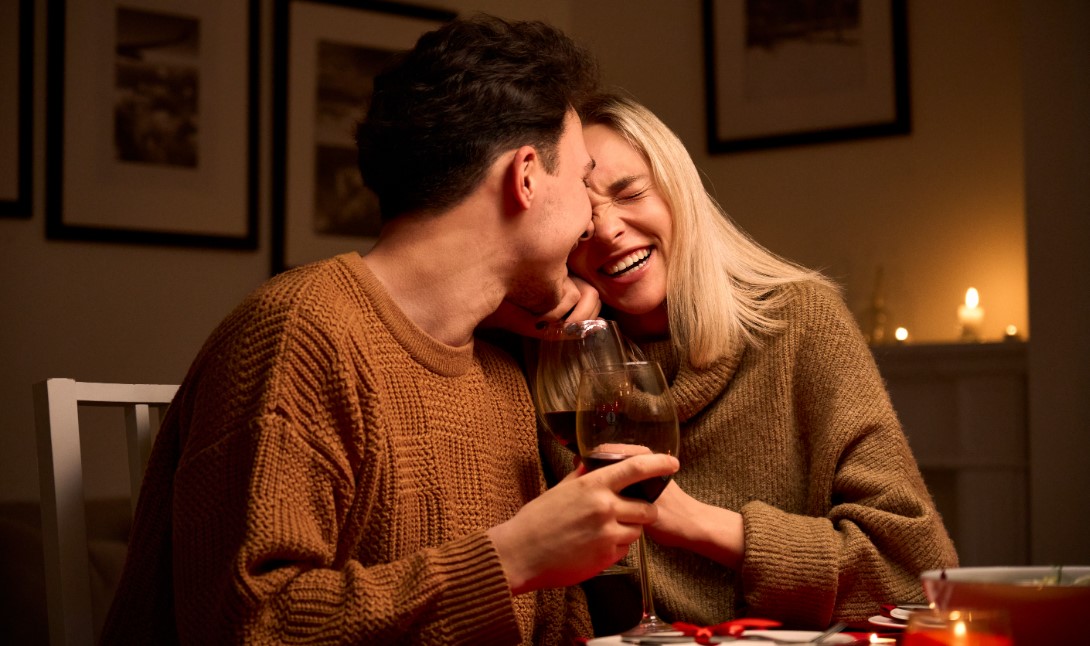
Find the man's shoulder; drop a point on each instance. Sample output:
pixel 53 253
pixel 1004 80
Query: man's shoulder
pixel 318 286
pixel 303 296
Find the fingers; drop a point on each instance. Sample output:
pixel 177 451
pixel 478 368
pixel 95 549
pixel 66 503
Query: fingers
pixel 575 473
pixel 589 304
pixel 636 469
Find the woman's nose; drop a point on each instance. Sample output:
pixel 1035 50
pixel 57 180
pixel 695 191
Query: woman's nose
pixel 607 225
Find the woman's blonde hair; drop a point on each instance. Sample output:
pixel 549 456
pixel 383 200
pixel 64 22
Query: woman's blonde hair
pixel 721 285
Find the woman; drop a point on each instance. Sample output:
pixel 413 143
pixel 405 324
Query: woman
pixel 798 498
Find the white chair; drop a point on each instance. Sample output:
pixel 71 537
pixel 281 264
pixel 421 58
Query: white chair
pixel 60 469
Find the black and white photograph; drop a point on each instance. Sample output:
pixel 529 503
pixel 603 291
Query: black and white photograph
pixel 326 55
pixel 158 81
pixel 151 127
pixel 782 73
pixel 342 204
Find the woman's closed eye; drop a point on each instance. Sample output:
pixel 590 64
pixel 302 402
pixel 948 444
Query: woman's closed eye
pixel 631 197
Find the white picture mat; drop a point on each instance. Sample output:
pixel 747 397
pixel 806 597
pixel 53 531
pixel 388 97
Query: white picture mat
pixel 311 23
pixel 739 117
pixel 100 191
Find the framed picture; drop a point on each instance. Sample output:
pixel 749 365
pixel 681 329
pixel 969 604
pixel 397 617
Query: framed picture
pixel 152 122
pixel 16 106
pixel 790 73
pixel 327 54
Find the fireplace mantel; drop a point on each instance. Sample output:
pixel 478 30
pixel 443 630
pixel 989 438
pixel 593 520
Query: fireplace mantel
pixel 963 407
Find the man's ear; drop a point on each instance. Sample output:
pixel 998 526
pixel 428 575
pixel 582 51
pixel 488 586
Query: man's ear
pixel 523 178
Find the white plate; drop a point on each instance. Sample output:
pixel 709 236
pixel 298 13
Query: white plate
pixel 887 622
pixel 800 636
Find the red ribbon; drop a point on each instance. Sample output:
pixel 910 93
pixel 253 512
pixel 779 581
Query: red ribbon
pixel 732 628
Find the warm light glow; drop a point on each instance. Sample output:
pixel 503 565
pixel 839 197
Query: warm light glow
pixel 972 297
pixel 960 629
pixel 900 334
pixel 1012 330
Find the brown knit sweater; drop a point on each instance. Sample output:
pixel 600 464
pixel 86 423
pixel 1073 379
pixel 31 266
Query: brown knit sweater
pixel 326 474
pixel 799 436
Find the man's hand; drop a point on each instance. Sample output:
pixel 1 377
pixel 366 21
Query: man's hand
pixel 579 303
pixel 579 527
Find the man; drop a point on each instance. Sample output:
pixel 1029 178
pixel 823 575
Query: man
pixel 344 463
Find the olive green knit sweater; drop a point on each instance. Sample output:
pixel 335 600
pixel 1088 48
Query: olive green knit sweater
pixel 799 436
pixel 326 474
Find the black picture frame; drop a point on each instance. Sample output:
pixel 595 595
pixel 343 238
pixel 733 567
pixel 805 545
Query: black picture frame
pixel 834 78
pixel 324 53
pixel 17 183
pixel 103 188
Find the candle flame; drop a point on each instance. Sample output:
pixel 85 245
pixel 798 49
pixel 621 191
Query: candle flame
pixel 972 297
pixel 1012 330
pixel 874 638
pixel 900 334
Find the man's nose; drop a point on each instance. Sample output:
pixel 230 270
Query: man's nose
pixel 588 233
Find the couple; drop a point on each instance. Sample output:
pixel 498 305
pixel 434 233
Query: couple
pixel 345 463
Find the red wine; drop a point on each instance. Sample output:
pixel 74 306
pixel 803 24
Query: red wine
pixel 648 490
pixel 562 425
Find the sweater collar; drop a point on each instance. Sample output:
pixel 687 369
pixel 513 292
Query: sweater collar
pixel 693 389
pixel 429 352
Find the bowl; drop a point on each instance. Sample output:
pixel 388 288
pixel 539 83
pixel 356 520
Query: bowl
pixel 1042 610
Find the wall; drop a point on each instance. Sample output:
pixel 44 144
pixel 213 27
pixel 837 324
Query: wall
pixel 940 209
pixel 115 312
pixel 1057 102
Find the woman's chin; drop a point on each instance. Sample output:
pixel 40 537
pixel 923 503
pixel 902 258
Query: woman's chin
pixel 643 323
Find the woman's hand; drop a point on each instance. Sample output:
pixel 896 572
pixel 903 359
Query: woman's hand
pixel 685 522
pixel 579 303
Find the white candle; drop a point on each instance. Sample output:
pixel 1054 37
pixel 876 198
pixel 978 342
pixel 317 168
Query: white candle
pixel 971 316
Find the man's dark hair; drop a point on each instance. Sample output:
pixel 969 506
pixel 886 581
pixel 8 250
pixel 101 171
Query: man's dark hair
pixel 441 112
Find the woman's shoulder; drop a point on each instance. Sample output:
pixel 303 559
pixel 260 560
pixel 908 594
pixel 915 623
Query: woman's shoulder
pixel 813 301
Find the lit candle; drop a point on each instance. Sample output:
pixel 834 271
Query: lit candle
pixel 971 316
pixel 1011 334
pixel 901 334
pixel 875 639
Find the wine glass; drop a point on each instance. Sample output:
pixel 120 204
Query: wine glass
pixel 621 411
pixel 565 351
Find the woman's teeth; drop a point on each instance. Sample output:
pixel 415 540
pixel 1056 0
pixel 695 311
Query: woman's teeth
pixel 630 261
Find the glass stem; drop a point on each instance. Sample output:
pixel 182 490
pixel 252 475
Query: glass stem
pixel 649 615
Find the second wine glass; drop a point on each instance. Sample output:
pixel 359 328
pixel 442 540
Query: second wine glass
pixel 622 411
pixel 567 349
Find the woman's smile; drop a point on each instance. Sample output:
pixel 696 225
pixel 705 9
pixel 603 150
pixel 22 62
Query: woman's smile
pixel 629 263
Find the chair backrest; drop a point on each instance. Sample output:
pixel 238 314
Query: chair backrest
pixel 60 469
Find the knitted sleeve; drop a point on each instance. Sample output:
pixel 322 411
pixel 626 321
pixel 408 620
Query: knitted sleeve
pixel 273 567
pixel 871 526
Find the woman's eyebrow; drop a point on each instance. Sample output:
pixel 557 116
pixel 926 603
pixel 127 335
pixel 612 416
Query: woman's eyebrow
pixel 622 183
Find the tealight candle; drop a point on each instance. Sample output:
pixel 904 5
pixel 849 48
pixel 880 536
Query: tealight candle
pixel 971 316
pixel 901 334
